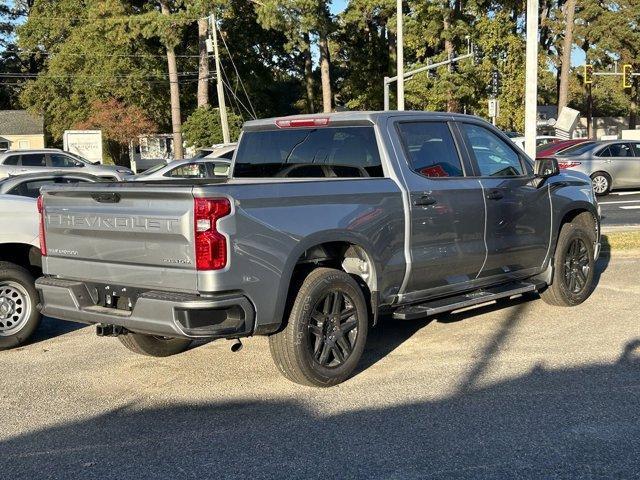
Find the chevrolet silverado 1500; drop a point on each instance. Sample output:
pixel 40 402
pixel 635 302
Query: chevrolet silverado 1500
pixel 326 222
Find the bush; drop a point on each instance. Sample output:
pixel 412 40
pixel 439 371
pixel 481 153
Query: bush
pixel 203 127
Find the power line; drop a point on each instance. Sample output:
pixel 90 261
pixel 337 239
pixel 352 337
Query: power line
pixel 237 73
pixel 92 19
pixel 77 75
pixel 93 55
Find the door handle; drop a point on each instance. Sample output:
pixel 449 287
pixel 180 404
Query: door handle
pixel 425 201
pixel 495 195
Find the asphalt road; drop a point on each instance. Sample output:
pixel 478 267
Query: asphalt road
pixel 620 208
pixel 526 391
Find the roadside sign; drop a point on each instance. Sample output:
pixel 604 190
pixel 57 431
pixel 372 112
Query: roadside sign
pixel 494 107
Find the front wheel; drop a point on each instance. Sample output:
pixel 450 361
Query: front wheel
pixel 601 183
pixel 574 266
pixel 19 316
pixel 154 346
pixel 326 332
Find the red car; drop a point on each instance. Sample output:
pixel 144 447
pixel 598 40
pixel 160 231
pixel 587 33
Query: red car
pixel 550 149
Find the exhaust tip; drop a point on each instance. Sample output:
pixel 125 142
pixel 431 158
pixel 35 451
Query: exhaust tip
pixel 237 346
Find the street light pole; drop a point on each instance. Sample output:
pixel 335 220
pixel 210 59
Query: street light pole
pixel 531 80
pixel 400 56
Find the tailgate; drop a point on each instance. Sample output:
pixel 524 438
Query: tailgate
pixel 127 234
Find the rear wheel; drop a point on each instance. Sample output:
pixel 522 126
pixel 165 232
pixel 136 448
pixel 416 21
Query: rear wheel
pixel 154 346
pixel 326 332
pixel 19 316
pixel 601 183
pixel 573 268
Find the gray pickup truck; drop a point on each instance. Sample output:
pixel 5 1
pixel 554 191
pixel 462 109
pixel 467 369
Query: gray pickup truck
pixel 326 223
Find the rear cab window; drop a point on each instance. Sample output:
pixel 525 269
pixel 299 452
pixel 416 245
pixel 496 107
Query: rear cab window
pixel 323 152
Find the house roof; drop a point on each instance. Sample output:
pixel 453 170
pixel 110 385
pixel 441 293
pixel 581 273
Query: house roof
pixel 20 122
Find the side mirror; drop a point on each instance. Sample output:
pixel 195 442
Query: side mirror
pixel 79 164
pixel 546 167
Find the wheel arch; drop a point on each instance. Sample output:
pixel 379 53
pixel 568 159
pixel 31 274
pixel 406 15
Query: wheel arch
pixel 22 254
pixel 345 251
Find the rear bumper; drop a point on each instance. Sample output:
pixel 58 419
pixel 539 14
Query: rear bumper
pixel 155 312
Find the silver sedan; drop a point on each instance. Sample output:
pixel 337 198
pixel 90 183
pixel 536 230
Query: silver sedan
pixel 190 168
pixel 611 164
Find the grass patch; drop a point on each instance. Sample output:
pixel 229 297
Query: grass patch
pixel 621 241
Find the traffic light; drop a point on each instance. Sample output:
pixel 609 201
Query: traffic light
pixel 431 73
pixel 453 66
pixel 477 55
pixel 588 74
pixel 495 83
pixel 627 71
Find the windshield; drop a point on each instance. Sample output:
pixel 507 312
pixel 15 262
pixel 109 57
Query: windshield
pixel 151 170
pixel 578 149
pixel 308 153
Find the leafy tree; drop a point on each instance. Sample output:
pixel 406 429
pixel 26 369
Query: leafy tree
pixel 299 19
pixel 92 50
pixel 203 127
pixel 364 52
pixel 120 124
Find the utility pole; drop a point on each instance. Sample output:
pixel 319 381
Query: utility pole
pixel 400 56
pixel 203 64
pixel 531 87
pixel 174 90
pixel 222 107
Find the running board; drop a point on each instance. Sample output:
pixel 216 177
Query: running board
pixel 477 297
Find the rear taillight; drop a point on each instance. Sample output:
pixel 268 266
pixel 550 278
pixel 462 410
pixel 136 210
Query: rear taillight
pixel 563 165
pixel 43 240
pixel 211 245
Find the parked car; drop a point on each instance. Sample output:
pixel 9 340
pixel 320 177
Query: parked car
pixel 192 168
pixel 20 261
pixel 554 148
pixel 611 164
pixel 326 221
pixel 540 140
pixel 17 162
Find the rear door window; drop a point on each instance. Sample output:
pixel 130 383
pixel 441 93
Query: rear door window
pixel 343 152
pixel 431 149
pixel 218 169
pixel 33 160
pixel 617 150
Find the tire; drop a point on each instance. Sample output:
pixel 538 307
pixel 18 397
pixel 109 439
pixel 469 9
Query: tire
pixel 601 183
pixel 153 346
pixel 19 315
pixel 319 347
pixel 574 267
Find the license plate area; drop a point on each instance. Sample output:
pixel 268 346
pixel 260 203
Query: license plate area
pixel 116 297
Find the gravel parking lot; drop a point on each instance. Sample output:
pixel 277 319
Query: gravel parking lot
pixel 527 391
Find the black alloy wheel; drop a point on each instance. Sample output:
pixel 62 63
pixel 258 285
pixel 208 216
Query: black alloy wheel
pixel 576 266
pixel 333 329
